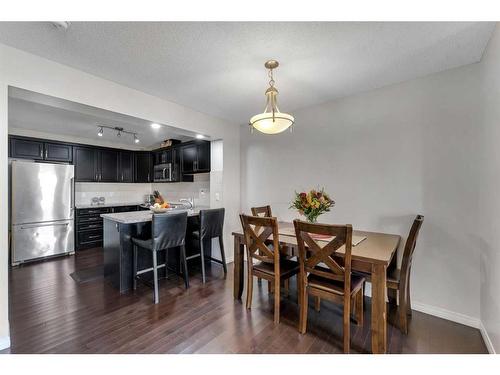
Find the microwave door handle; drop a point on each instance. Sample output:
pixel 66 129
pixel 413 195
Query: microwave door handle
pixel 170 173
pixel 164 173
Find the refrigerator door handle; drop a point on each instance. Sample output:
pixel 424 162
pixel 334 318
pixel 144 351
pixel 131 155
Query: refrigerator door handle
pixel 72 198
pixel 31 226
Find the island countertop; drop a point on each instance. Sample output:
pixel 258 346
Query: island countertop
pixel 135 217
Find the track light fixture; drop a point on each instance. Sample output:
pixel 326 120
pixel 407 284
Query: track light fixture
pixel 118 130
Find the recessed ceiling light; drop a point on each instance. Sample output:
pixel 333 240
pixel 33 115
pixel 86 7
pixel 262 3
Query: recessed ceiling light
pixel 199 136
pixel 155 125
pixel 136 140
pixel 101 130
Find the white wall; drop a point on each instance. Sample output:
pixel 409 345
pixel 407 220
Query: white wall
pixel 488 239
pixel 30 72
pixel 385 156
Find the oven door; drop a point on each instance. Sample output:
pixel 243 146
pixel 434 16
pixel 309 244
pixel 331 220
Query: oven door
pixel 163 173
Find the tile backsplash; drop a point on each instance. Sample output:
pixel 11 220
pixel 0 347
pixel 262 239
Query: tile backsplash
pixel 113 193
pixel 199 190
pixel 125 193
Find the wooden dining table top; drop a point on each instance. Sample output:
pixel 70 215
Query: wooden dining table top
pixel 376 248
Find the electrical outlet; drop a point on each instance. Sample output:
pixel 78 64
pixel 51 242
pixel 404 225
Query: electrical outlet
pixel 202 193
pixel 217 197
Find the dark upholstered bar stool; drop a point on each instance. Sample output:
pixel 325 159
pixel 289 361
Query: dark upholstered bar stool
pixel 210 226
pixel 167 231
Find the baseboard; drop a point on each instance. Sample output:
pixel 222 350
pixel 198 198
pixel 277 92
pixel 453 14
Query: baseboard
pixel 4 342
pixel 446 314
pixel 486 339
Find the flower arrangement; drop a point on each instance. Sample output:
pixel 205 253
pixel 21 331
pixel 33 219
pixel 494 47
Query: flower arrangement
pixel 312 204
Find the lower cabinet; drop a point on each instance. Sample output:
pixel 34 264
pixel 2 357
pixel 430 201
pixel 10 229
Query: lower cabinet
pixel 89 225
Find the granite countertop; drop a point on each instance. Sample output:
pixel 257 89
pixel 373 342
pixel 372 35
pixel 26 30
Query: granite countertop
pixel 120 204
pixel 143 216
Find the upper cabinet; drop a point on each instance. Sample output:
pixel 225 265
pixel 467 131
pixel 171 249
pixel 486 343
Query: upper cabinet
pixel 107 165
pixel 85 160
pixel 58 152
pixel 126 166
pixel 143 167
pixel 195 157
pixel 101 164
pixel 95 165
pixel 38 150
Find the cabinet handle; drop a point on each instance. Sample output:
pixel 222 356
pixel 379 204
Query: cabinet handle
pixel 46 154
pixel 148 177
pixel 122 176
pixel 41 153
pixel 97 236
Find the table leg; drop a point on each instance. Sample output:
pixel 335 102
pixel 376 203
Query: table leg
pixel 379 309
pixel 238 268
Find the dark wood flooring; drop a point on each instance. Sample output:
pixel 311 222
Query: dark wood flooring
pixel 51 313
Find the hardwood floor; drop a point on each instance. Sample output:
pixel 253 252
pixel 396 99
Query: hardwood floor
pixel 51 313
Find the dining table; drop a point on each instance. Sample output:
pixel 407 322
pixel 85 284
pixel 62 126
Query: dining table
pixel 372 255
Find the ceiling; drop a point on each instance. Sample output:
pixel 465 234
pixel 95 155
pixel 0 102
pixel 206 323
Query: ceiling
pixel 42 113
pixel 217 67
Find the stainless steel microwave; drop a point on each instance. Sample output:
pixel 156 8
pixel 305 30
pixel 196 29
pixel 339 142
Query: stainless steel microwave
pixel 163 173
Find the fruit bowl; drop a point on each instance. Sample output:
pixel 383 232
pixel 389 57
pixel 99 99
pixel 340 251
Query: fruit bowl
pixel 159 210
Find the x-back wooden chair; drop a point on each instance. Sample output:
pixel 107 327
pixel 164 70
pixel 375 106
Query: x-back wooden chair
pixel 323 277
pixel 270 265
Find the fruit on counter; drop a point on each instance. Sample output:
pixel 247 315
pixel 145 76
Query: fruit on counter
pixel 158 206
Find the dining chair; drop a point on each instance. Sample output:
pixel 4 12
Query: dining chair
pixel 211 223
pixel 270 264
pixel 398 280
pixel 264 211
pixel 167 231
pixel 323 277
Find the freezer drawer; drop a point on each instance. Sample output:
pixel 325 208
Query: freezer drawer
pixel 33 241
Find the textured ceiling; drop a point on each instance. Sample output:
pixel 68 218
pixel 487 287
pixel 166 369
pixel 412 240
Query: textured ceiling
pixel 217 68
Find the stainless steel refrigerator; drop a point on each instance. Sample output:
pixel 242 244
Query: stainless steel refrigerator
pixel 42 209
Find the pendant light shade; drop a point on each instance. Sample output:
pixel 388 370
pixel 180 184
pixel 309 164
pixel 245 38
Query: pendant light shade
pixel 271 121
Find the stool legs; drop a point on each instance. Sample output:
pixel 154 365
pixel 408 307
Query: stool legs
pixel 184 266
pixel 155 277
pixel 202 257
pixel 134 283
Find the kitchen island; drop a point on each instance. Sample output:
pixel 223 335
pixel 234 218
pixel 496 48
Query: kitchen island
pixel 119 228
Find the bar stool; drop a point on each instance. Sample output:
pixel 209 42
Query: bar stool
pixel 210 226
pixel 167 231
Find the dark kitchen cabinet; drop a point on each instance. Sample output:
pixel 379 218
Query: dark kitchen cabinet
pixel 195 157
pixel 95 165
pixel 58 152
pixel 126 167
pixel 107 166
pixel 143 167
pixel 25 148
pixel 85 160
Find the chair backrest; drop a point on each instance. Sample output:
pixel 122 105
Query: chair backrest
pixel 262 211
pixel 311 254
pixel 169 230
pixel 411 242
pixel 211 223
pixel 258 243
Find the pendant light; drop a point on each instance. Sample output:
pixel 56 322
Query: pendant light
pixel 271 121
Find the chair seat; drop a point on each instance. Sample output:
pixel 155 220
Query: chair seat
pixel 287 268
pixel 145 244
pixel 334 286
